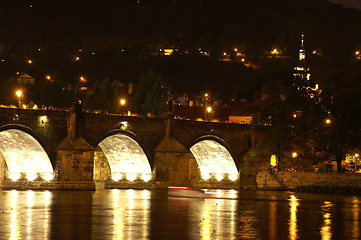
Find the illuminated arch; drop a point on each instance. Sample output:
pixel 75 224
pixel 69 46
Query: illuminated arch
pixel 126 158
pixel 214 160
pixel 24 154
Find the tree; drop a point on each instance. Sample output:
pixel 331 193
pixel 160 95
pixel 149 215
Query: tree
pixel 151 95
pixel 286 116
pixel 101 96
pixel 341 134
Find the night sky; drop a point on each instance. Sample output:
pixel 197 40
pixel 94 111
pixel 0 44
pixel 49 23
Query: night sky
pixel 348 3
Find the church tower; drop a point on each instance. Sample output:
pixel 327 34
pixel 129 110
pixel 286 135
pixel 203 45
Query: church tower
pixel 301 71
pixel 302 75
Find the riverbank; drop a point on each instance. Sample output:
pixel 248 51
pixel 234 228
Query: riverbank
pixel 343 183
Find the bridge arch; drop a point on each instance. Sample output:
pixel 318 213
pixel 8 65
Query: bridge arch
pixel 24 154
pixel 214 159
pixel 126 158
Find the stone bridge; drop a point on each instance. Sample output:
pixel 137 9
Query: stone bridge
pixel 47 149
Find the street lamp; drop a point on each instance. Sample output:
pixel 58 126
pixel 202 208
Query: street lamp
pixel 18 94
pixel 209 113
pixel 122 103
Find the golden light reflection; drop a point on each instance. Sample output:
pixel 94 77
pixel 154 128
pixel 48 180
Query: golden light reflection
pixel 118 220
pixel 29 212
pixel 273 218
pixel 131 218
pixel 46 214
pixel 326 229
pixel 205 222
pixel 14 225
pixel 293 231
pixel 355 218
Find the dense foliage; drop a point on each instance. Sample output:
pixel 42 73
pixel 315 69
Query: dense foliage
pixel 318 130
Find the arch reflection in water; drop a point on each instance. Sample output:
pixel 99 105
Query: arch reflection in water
pixel 217 219
pixel 214 160
pixel 130 219
pixel 26 215
pixel 126 158
pixel 24 154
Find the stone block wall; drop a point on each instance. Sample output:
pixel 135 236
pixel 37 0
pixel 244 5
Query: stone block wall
pixel 292 180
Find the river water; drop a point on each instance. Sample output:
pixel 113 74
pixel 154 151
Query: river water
pixel 152 214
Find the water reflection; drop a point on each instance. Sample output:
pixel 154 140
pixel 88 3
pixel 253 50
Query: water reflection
pixel 24 215
pixel 145 214
pixel 355 218
pixel 293 217
pixel 326 230
pixel 14 225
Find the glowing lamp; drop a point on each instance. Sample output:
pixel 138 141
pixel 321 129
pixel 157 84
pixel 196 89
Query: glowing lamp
pixel 19 93
pixel 206 175
pixel 232 176
pixel 117 176
pixel 31 176
pixel 48 176
pixel 14 176
pixel 131 176
pixel 219 176
pixel 146 177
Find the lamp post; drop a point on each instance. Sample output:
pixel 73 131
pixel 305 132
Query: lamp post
pixel 19 94
pixel 122 103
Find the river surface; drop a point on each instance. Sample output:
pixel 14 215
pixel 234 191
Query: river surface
pixel 152 214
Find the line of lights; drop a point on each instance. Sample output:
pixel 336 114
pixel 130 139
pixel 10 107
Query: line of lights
pixel 31 176
pixel 219 176
pixel 130 176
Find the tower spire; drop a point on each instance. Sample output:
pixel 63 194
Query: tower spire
pixel 301 71
pixel 302 52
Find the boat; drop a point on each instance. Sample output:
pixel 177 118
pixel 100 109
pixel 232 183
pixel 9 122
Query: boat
pixel 186 192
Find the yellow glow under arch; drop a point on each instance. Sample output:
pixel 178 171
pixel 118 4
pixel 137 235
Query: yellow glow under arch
pixel 23 153
pixel 125 156
pixel 213 158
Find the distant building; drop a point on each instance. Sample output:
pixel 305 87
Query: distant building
pixel 238 113
pixel 25 79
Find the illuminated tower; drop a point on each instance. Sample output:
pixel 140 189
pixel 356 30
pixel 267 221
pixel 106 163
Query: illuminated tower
pixel 302 76
pixel 301 71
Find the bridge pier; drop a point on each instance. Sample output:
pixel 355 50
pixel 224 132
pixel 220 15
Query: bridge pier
pixel 75 164
pixel 174 163
pixel 75 156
